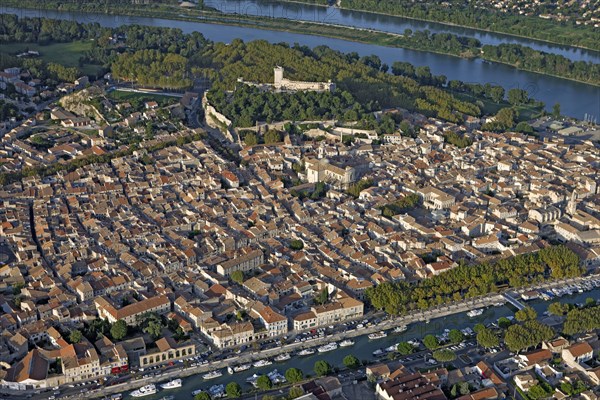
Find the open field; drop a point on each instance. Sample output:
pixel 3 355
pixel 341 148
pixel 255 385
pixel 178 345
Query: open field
pixel 67 54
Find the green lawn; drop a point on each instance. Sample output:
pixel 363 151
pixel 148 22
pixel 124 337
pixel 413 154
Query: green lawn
pixel 121 96
pixel 66 54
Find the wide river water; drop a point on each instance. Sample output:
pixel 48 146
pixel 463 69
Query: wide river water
pixel 576 99
pixel 385 23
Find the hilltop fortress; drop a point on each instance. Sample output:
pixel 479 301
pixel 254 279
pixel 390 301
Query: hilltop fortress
pixel 281 84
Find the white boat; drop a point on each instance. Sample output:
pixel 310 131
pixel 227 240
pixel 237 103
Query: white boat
pixel 242 367
pixel 197 391
pixel 327 347
pixel 262 363
pixel 306 352
pixel 276 377
pixel 346 343
pixel 392 348
pixel 377 335
pixel 212 375
pixel 378 352
pixel 175 383
pixel 144 391
pixel 216 391
pixel 400 329
pixel 283 357
pixel 474 313
pixel 252 379
pixel 230 370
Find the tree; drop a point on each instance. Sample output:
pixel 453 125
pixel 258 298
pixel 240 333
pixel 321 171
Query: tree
pixel 323 296
pixel 295 391
pixel 294 375
pixel 250 139
pixel 351 362
pixel 264 382
pixel 431 342
pixel 233 390
pixel 497 94
pixel 296 244
pixel 537 392
pixel 556 110
pixel 322 368
pixel 154 329
pixel 202 396
pixel 558 308
pixel 531 333
pixel 272 136
pixel 118 330
pixel 526 314
pixel 504 322
pixel 75 336
pixel 405 348
pixel 444 355
pixel 524 127
pixel 237 276
pixel 478 327
pixel 456 336
pixel 488 339
pixel 517 97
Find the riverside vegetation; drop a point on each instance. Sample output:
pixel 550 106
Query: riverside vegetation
pixel 517 56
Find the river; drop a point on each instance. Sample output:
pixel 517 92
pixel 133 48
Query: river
pixel 385 23
pixel 576 99
pixel 363 347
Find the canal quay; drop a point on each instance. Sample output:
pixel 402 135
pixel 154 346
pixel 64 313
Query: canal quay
pixel 432 321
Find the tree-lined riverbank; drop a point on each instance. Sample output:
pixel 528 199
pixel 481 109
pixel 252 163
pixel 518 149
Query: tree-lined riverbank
pixel 440 43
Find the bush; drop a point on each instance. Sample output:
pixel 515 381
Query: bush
pixel 351 362
pixel 322 368
pixel 233 390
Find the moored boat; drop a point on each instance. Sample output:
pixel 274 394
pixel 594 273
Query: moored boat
pixel 474 313
pixel 144 391
pixel 262 363
pixel 400 329
pixel 212 375
pixel 377 335
pixel 242 367
pixel 328 347
pixel 283 357
pixel 175 383
pixel 306 352
pixel 346 343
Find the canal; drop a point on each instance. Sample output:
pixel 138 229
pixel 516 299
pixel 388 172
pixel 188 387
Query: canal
pixel 363 347
pixel 576 99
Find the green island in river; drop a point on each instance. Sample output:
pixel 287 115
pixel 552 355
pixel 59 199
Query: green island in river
pixel 514 55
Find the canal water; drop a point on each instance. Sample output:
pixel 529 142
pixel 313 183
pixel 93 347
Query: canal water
pixel 576 99
pixel 385 23
pixel 363 347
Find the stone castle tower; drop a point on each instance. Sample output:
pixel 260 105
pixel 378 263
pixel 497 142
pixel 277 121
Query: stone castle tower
pixel 278 75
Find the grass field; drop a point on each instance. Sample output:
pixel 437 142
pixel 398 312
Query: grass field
pixel 118 95
pixel 66 54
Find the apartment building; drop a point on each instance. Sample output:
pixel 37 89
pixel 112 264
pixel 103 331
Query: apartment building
pixel 131 313
pixel 167 350
pixel 245 262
